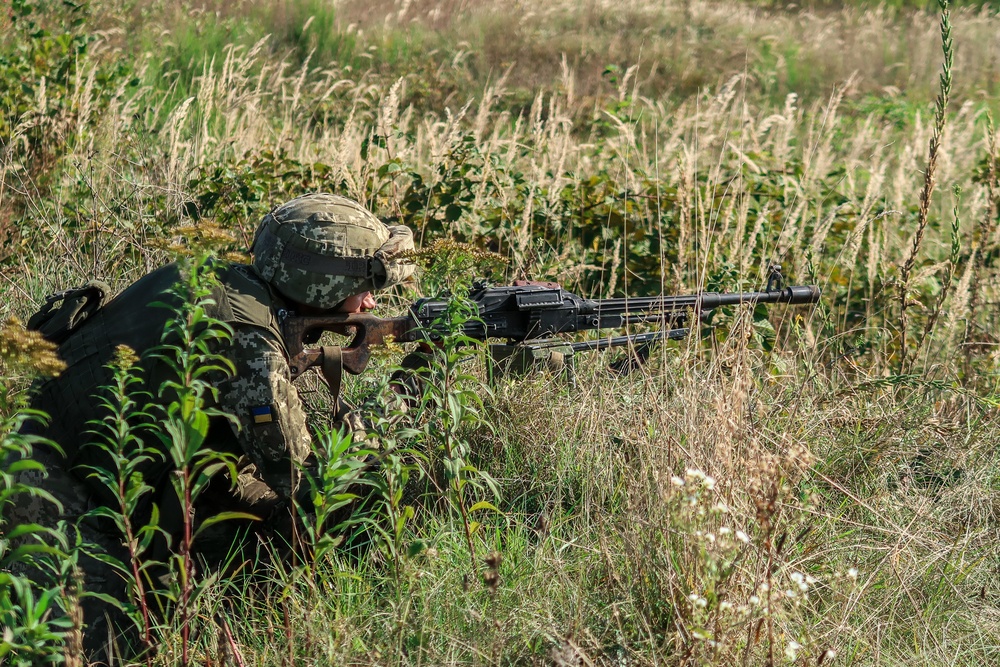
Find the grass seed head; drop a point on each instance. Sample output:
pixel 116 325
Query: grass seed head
pixel 492 581
pixel 493 560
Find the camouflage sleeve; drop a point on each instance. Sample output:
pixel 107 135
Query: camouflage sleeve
pixel 270 422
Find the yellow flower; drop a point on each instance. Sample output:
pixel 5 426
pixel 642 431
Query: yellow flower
pixel 24 351
pixel 125 357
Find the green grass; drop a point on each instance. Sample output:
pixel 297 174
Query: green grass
pixel 448 55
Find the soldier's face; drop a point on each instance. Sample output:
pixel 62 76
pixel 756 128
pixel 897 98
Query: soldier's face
pixel 359 303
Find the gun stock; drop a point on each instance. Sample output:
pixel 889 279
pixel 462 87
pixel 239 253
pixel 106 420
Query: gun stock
pixel 367 331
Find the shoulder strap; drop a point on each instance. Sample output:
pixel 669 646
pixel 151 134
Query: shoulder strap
pixel 333 369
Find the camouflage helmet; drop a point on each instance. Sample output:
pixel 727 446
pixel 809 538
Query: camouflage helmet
pixel 319 249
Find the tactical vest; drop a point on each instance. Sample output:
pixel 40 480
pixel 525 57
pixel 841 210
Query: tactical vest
pixel 137 318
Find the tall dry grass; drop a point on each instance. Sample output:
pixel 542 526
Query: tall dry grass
pixel 232 114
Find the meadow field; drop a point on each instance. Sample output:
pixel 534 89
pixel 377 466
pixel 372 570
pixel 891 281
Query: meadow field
pixel 796 485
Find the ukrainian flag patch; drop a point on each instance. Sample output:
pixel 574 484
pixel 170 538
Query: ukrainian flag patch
pixel 262 415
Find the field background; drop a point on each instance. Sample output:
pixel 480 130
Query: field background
pixel 816 486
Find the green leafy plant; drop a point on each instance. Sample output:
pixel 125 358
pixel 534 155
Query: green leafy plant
pixel 336 482
pixel 238 192
pixel 123 434
pixel 33 609
pixel 41 65
pixel 400 461
pixel 449 403
pixel 189 350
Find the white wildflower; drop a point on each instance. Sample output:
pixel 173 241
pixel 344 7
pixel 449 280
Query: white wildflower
pixel 792 650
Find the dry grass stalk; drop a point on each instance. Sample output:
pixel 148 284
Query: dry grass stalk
pixel 940 120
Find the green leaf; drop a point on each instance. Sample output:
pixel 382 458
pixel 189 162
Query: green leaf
pixel 23 551
pixel 23 465
pixel 107 513
pixel 224 516
pixel 105 598
pixel 26 529
pixel 109 560
pixel 484 505
pixel 416 548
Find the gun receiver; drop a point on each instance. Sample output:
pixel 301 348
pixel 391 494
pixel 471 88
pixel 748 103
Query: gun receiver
pixel 521 312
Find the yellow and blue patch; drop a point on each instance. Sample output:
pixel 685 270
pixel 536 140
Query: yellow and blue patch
pixel 262 415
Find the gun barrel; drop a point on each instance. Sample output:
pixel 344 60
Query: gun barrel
pixel 795 295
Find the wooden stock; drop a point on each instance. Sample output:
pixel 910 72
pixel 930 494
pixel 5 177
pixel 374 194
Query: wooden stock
pixel 367 330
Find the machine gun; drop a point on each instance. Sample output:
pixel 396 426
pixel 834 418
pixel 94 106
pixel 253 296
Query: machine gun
pixel 526 315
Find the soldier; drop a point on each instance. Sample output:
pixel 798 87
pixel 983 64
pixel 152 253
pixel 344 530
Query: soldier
pixel 317 253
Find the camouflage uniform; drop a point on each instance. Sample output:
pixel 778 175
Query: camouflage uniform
pixel 316 251
pixel 257 351
pixel 261 383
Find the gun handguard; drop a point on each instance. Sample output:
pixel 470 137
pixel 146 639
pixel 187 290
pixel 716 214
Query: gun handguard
pixel 368 330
